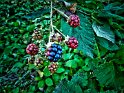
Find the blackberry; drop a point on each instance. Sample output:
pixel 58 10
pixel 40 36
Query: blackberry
pixel 54 52
pixel 38 61
pixel 53 67
pixel 74 21
pixel 56 37
pixel 37 35
pixel 32 49
pixel 72 43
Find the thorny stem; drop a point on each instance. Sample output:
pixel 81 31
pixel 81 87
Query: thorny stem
pixel 62 13
pixel 59 31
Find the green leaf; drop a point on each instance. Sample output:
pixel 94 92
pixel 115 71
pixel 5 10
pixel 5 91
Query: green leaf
pixel 81 79
pixel 37 78
pixel 62 87
pixel 55 77
pixel 71 63
pixel 17 23
pixel 84 34
pixel 104 31
pixel 67 56
pixel 30 27
pixel 41 84
pixel 16 90
pixel 31 89
pixel 105 74
pixel 49 82
pixel 46 71
pixel 32 66
pixel 119 56
pixel 18 64
pixel 60 70
pixel 107 44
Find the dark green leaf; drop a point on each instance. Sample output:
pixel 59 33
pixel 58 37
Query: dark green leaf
pixel 105 74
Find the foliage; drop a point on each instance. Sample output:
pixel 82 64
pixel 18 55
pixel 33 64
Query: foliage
pixel 97 66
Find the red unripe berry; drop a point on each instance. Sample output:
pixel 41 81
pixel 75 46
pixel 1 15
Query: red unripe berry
pixel 74 21
pixel 72 43
pixel 32 49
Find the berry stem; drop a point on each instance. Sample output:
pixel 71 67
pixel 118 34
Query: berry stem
pixel 62 13
pixel 59 31
pixel 51 22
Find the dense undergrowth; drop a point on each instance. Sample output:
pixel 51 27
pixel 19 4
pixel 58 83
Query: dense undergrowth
pixel 96 66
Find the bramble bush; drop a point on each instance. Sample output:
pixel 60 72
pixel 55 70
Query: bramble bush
pixel 61 46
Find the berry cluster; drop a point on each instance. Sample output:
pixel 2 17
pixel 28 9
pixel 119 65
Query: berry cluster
pixel 74 20
pixel 32 49
pixel 56 37
pixel 38 61
pixel 36 35
pixel 72 42
pixel 54 52
pixel 52 67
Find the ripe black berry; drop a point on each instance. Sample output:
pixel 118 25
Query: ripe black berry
pixel 54 52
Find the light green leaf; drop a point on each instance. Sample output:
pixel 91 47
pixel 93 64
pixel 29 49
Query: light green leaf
pixel 67 56
pixel 49 82
pixel 104 31
pixel 46 71
pixel 71 63
pixel 60 70
pixel 107 44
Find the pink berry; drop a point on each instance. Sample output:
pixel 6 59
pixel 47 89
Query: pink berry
pixel 74 21
pixel 32 49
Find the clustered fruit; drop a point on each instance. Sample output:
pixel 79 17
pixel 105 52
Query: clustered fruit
pixel 54 52
pixel 74 20
pixel 37 35
pixel 56 37
pixel 53 67
pixel 38 61
pixel 72 43
pixel 32 49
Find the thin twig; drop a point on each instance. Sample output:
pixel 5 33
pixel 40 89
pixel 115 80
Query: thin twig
pixel 59 31
pixel 61 13
pixel 51 22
